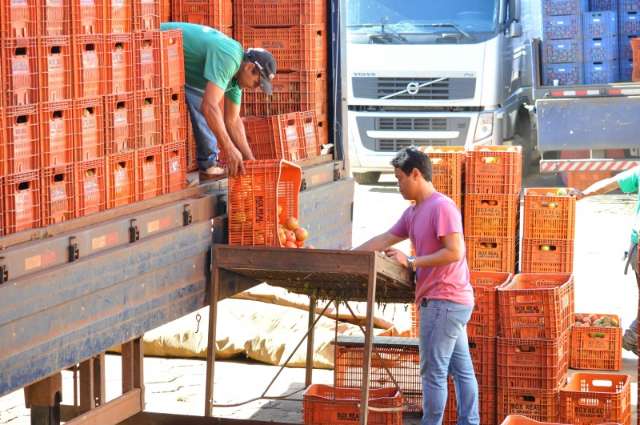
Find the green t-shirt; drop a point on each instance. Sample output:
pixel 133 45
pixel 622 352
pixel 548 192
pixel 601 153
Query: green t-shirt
pixel 209 55
pixel 628 182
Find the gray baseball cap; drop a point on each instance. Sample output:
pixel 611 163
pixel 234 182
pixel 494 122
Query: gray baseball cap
pixel 266 64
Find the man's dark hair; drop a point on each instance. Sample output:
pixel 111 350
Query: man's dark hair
pixel 409 158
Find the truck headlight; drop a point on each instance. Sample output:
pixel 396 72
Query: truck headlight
pixel 484 127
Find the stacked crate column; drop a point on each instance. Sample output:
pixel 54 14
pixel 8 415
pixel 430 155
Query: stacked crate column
pixel 89 73
pixel 20 62
pixel 146 15
pixel 57 126
pixel 120 123
pixel 55 69
pixel 119 63
pixel 148 119
pixel 18 19
pixel 121 179
pixel 58 193
pixel 87 17
pixel 22 201
pixel 174 116
pixel 89 129
pixel 118 17
pixel 148 61
pixel 175 167
pixel 91 187
pixel 23 139
pixel 150 173
pixel 55 18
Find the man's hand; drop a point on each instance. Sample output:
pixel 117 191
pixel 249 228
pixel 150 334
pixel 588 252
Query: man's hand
pixel 234 161
pixel 398 256
pixel 577 193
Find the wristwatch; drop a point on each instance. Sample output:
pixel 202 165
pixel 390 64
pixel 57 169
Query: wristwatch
pixel 411 262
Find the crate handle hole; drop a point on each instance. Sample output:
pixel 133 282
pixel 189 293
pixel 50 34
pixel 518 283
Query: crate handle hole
pixel 21 51
pixel 90 172
pixel 120 105
pixel 529 398
pixel 22 186
pixel 56 50
pixel 174 97
pixel 149 158
pixel 90 110
pixel 22 119
pixel 90 47
pixel 57 114
pixel 58 177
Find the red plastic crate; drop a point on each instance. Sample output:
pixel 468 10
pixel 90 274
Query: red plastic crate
pixel 536 305
pixel 447 165
pixel 540 405
pixel 55 18
pixel 592 398
pixel 192 158
pixel 57 133
pixel 547 256
pixel 87 17
pixel 491 215
pixel 19 18
pixel 165 10
pixel 487 405
pixel 22 202
pixel 91 193
pixel 494 169
pixel 596 347
pixel 175 167
pixel 23 139
pixel 484 319
pixel 148 60
pixel 58 194
pixel 540 364
pixel 276 137
pixel 121 179
pixel 309 131
pixel 280 13
pixel 254 199
pixel 491 254
pixel 174 116
pixel 20 61
pixel 483 357
pixel 119 63
pixel 549 215
pixel 172 59
pixel 89 129
pixel 292 92
pixel 55 69
pixel 89 74
pixel 118 16
pixel 521 420
pixel 150 175
pixel 146 15
pixel 120 123
pixel 324 405
pixel 148 119
pixel 323 131
pixel 217 14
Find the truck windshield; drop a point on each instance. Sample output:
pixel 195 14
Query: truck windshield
pixel 420 22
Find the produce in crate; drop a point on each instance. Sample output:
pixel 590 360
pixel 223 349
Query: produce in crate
pixel 290 234
pixel 597 320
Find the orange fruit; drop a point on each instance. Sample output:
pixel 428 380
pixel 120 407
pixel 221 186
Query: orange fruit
pixel 290 244
pixel 292 223
pixel 301 234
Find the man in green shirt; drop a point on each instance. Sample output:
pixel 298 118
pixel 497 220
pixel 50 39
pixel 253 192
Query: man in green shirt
pixel 217 68
pixel 627 182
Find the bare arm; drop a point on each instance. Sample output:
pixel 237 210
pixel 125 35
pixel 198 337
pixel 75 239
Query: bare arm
pixel 452 251
pixel 379 243
pixel 235 127
pixel 599 188
pixel 213 115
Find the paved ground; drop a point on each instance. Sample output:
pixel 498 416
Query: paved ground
pixel 176 386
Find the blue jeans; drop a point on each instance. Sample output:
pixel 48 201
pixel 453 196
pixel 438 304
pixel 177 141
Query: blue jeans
pixel 444 351
pixel 206 142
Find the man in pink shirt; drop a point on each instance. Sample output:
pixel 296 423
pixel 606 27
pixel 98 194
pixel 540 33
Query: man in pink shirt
pixel 443 291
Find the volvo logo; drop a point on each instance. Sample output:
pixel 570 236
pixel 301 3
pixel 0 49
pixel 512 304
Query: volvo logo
pixel 413 88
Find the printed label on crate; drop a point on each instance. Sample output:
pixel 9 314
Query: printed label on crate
pixel 120 118
pixel 118 3
pixel 55 63
pixel 20 65
pixel 91 189
pixel 19 3
pixel 121 181
pixel 55 3
pixel 21 134
pixel 148 114
pixel 117 57
pixel 58 193
pixel 89 122
pixel 174 164
pixel 90 59
pixel 86 2
pixel 146 56
pixel 147 2
pixel 23 200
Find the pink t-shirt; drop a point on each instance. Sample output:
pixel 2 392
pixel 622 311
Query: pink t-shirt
pixel 424 225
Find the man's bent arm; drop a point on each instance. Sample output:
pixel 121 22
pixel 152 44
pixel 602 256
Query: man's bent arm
pixel 213 114
pixel 453 251
pixel 380 242
pixel 235 128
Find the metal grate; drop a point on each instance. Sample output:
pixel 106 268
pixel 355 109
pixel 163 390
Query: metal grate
pixel 394 145
pixel 418 124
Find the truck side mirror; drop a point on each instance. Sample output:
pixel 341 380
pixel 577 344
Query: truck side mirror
pixel 515 29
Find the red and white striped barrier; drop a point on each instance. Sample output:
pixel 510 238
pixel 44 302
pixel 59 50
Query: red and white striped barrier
pixel 555 166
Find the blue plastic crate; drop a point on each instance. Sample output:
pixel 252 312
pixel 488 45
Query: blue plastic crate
pixel 625 47
pixel 562 27
pixel 600 24
pixel 629 23
pixel 601 73
pixel 562 51
pixel 629 5
pixel 602 5
pixel 626 70
pixel 566 74
pixel 601 49
pixel 564 7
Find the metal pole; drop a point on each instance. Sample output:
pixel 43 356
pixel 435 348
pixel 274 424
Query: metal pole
pixel 313 301
pixel 368 341
pixel 211 348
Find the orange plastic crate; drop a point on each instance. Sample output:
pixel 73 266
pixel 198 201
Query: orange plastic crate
pixel 324 405
pixel 487 405
pixel 55 18
pixel 192 159
pixel 55 69
pixel 89 129
pixel 57 133
pixel 91 193
pixel 146 15
pixel 58 194
pixel 22 202
pixel 217 14
pixel 23 139
pixel 308 129
pixel 89 74
pixel 491 254
pixel 596 347
pixel 491 215
pixel 280 13
pixel 533 363
pixel 19 18
pixel 118 17
pixel 494 169
pixel 484 319
pixel 175 167
pixel 254 199
pixel 547 256
pixel 119 63
pixel 150 173
pixel 536 305
pixel 20 61
pixel 172 59
pixel 121 179
pixel 148 60
pixel 540 405
pixel 120 123
pixel 87 17
pixel 2 229
pixel 297 48
pixel 148 119
pixel 591 398
pixel 548 215
pixel 276 137
pixel 635 48
pixel 447 165
pixel 174 116
pixel 521 420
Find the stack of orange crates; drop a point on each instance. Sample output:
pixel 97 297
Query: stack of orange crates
pixel 491 210
pixel 216 14
pixel 594 398
pixel 295 32
pixel 549 231
pixel 448 170
pixel 536 313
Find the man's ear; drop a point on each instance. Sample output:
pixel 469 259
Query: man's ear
pixel 415 173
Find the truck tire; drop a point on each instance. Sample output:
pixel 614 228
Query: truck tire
pixel 367 178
